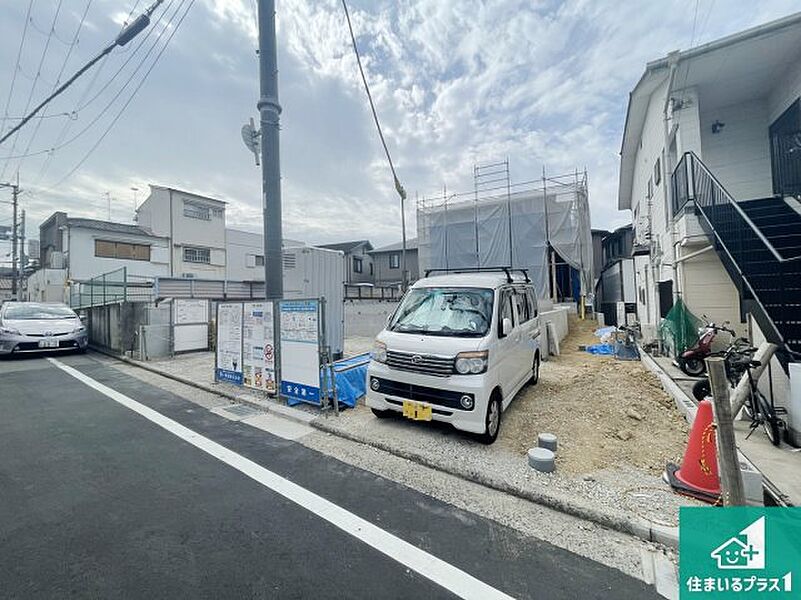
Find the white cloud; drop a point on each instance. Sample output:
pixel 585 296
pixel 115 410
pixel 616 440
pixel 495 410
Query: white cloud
pixel 455 82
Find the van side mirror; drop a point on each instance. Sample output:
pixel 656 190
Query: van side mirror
pixel 506 326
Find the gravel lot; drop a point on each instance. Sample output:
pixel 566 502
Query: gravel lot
pixel 605 412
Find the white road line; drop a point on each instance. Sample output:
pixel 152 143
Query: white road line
pixel 440 572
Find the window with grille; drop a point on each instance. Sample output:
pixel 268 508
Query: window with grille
pixel 197 211
pixel 394 261
pixel 197 255
pixel 358 265
pixel 122 250
pixel 259 261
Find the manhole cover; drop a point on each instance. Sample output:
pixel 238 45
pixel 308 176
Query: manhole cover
pixel 242 410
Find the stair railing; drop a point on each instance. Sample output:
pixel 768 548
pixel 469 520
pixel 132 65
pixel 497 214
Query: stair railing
pixel 692 181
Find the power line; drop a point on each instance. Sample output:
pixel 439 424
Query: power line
pixel 398 185
pixel 58 79
pixel 68 125
pixel 15 129
pixel 128 33
pixel 16 68
pixel 133 94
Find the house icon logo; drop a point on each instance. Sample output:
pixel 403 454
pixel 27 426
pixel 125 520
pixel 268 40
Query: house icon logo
pixel 746 550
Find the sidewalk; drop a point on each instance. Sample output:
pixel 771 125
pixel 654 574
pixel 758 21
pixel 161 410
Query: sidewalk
pixel 780 466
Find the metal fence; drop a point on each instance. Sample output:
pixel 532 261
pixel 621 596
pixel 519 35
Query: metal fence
pixel 372 292
pixel 111 288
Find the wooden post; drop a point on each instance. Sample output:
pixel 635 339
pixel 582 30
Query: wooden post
pixel 731 479
pixel 742 391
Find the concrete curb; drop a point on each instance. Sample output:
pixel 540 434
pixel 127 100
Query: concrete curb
pixel 683 402
pixel 631 525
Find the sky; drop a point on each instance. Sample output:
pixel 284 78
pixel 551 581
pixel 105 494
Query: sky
pixel 456 83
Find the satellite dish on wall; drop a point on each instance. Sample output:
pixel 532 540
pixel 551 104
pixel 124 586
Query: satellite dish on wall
pixel 252 139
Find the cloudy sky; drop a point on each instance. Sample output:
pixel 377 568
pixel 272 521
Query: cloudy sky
pixel 456 82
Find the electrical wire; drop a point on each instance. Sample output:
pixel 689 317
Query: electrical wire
pixel 80 104
pixel 133 94
pixel 17 67
pixel 398 185
pixel 33 87
pixel 67 56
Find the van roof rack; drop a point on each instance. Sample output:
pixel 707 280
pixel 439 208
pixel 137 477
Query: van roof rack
pixel 507 270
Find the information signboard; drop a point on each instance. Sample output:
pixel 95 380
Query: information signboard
pixel 191 312
pixel 258 358
pixel 300 350
pixel 229 343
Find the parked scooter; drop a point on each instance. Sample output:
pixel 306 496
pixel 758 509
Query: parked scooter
pixel 691 360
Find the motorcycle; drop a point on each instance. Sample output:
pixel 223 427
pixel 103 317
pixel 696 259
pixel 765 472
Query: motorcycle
pixel 691 360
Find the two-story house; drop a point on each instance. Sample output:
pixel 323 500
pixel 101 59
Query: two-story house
pixel 388 263
pixel 358 261
pixel 195 226
pixel 710 169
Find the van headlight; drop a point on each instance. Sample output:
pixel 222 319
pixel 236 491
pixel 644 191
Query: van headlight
pixel 79 329
pixel 471 363
pixel 379 352
pixel 9 331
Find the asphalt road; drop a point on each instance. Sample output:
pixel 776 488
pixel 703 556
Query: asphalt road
pixel 98 501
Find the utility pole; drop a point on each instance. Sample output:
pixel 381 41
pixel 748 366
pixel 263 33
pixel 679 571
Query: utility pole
pixel 270 113
pixel 14 239
pixel 22 258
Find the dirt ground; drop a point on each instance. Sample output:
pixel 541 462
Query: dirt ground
pixel 604 412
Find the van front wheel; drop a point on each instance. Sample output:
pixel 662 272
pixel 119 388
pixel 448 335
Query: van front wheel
pixel 492 421
pixel 535 370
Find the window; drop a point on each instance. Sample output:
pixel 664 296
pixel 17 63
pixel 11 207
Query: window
pixel 532 302
pixel 197 211
pixel 522 306
pixel 197 255
pixel 371 268
pixel 122 250
pixel 394 261
pixel 358 267
pixel 650 189
pixel 259 261
pixel 450 312
pixel 217 212
pixel 505 311
pixel 658 171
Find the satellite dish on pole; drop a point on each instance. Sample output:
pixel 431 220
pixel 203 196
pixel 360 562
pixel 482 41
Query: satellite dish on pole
pixel 252 139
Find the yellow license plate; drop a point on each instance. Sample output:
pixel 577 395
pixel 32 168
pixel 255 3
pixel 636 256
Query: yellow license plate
pixel 415 411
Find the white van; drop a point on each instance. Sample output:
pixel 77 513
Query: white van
pixel 457 349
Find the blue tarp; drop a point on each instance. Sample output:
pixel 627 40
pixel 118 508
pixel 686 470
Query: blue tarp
pixel 601 349
pixel 351 378
pixel 626 352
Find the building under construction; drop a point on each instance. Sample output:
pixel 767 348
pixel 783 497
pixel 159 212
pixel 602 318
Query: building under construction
pixel 541 225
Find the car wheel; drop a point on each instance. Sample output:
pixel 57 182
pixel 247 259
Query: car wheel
pixel 381 414
pixel 535 370
pixel 492 420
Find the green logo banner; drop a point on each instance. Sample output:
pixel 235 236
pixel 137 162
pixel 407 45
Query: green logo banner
pixel 739 552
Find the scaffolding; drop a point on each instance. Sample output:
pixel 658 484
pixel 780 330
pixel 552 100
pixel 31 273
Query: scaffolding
pixel 518 225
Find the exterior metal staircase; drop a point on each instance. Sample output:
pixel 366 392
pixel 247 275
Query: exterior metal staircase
pixel 759 243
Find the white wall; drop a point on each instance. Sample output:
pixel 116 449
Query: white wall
pixel 241 248
pixel 739 154
pixel 163 213
pixel 785 92
pixel 83 264
pixel 47 285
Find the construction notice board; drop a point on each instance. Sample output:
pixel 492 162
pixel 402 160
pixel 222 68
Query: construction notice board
pixel 258 352
pixel 300 350
pixel 229 343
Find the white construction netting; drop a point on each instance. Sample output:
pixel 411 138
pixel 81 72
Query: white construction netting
pixel 510 230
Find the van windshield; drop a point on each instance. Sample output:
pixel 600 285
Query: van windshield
pixel 457 312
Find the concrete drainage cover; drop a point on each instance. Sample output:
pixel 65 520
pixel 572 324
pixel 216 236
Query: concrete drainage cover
pixel 236 411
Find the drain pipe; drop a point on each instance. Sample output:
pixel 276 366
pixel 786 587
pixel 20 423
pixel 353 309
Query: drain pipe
pixel 667 172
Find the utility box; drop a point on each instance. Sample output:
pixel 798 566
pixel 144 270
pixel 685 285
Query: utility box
pixel 311 272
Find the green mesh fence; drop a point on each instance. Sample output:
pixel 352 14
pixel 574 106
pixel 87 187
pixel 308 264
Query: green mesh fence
pixel 679 328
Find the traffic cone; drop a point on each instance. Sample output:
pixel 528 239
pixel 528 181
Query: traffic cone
pixel 698 475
